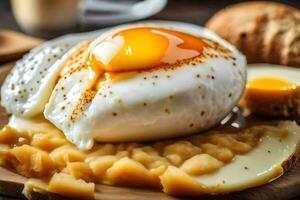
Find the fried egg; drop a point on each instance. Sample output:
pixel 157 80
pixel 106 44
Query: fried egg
pixel 273 90
pixel 140 82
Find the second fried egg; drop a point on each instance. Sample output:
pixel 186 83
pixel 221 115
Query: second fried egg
pixel 272 90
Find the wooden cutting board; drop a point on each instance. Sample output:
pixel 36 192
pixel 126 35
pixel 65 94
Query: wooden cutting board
pixel 284 188
pixel 13 44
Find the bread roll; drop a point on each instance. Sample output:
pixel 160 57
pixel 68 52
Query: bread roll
pixel 266 32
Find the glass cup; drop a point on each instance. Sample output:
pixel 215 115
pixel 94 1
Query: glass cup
pixel 45 16
pixel 48 17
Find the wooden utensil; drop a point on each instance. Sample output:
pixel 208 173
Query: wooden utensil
pixel 13 45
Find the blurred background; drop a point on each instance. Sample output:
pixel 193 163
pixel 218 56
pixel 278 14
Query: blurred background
pixel 50 18
pixel 25 24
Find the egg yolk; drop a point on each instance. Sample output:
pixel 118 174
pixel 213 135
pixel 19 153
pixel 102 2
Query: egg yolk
pixel 142 48
pixel 271 84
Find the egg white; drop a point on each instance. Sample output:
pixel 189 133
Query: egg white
pixel 139 109
pixel 28 87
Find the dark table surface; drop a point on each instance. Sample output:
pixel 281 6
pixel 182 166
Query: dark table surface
pixel 192 11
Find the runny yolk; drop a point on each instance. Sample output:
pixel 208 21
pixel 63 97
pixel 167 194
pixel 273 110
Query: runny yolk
pixel 142 48
pixel 271 84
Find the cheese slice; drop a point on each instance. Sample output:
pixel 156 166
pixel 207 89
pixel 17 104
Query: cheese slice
pixel 263 164
pixel 268 159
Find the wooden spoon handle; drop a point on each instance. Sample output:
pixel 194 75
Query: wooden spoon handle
pixel 13 45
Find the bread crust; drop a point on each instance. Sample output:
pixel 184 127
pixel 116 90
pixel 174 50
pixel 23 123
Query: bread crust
pixel 266 32
pixel 292 160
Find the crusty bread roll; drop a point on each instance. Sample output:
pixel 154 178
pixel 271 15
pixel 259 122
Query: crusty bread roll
pixel 266 32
